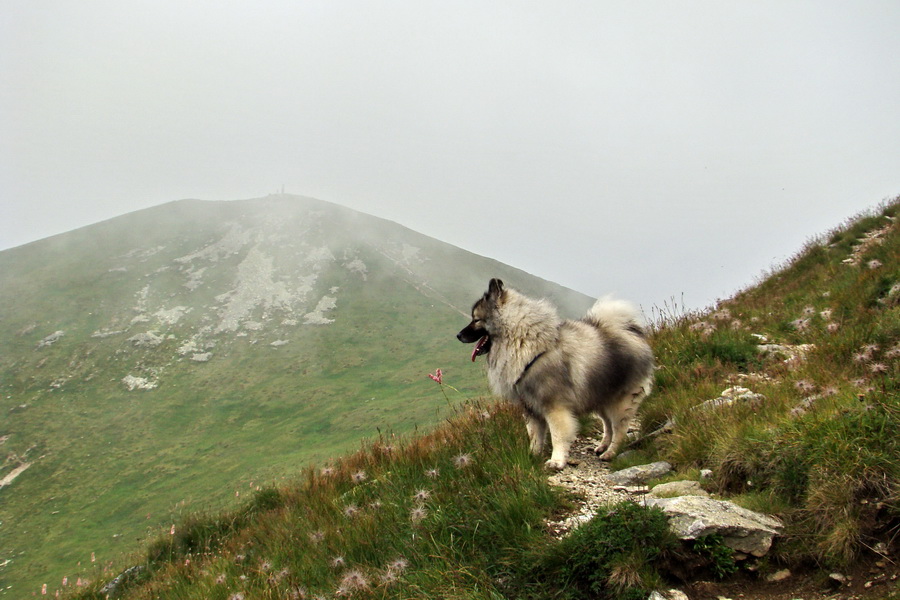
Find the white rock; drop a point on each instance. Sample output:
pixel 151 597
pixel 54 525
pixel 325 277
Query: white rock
pixel 51 339
pixel 779 575
pixel 138 383
pixel 640 473
pixel 692 517
pixel 149 339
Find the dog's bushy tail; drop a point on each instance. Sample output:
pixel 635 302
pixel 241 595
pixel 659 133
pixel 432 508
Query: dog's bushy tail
pixel 620 315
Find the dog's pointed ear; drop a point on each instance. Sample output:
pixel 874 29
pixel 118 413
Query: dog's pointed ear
pixel 495 289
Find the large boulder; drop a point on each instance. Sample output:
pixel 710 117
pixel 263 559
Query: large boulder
pixel 692 517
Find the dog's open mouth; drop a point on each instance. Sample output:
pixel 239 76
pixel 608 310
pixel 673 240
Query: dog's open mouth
pixel 482 347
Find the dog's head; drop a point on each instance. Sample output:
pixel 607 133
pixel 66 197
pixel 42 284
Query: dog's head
pixel 479 329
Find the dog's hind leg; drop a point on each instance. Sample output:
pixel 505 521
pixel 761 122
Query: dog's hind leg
pixel 563 429
pixel 537 433
pixel 619 416
pixel 607 433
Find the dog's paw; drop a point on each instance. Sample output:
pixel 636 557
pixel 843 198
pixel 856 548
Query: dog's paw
pixel 600 448
pixel 555 465
pixel 607 456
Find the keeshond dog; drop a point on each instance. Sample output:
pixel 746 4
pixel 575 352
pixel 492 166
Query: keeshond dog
pixel 558 370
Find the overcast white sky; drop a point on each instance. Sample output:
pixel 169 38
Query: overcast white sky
pixel 657 150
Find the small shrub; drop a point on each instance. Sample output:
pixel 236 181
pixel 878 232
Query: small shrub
pixel 720 557
pixel 614 555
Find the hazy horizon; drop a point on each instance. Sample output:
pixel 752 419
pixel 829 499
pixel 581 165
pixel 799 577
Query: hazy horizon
pixel 650 150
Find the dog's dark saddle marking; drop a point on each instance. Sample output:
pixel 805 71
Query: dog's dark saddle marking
pixel 528 366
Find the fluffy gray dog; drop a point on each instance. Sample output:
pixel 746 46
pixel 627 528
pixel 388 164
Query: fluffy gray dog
pixel 557 370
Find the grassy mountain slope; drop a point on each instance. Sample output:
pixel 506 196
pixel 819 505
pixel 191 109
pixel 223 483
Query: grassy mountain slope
pixel 173 358
pixel 459 513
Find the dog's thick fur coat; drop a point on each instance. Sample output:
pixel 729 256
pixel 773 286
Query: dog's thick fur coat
pixel 558 370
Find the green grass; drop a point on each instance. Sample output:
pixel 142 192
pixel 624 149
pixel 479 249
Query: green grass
pixel 411 517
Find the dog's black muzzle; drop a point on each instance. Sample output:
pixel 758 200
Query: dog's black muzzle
pixel 471 334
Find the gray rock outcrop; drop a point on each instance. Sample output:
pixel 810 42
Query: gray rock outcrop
pixel 692 517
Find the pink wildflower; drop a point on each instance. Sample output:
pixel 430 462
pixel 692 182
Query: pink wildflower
pixel 418 514
pixel 422 495
pixel 432 473
pixel 359 476
pixel 437 376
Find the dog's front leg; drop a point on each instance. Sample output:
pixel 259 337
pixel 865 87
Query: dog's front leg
pixel 563 429
pixel 537 433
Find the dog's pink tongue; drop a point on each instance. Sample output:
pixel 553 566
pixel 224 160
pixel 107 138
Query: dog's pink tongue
pixel 478 346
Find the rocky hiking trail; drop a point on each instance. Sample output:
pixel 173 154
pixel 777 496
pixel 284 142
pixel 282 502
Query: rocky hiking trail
pixel 591 480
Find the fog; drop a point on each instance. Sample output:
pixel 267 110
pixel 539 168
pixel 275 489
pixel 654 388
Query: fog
pixel 655 150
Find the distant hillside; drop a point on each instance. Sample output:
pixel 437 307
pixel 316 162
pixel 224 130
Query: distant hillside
pixel 784 400
pixel 175 357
